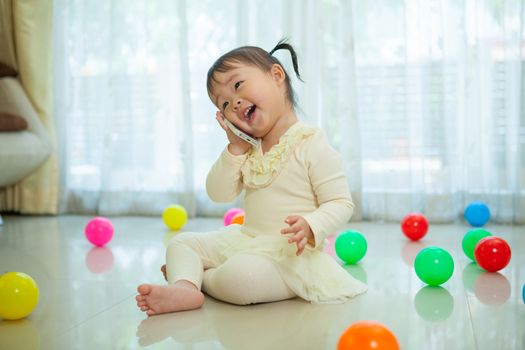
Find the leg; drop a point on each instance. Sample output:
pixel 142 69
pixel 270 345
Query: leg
pixel 186 257
pixel 246 279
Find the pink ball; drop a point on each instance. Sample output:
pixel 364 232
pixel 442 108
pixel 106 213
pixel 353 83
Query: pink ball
pixel 230 214
pixel 99 231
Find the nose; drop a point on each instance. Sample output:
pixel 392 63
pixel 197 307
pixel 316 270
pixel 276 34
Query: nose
pixel 237 104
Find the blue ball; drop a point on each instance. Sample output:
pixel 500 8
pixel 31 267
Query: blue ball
pixel 477 214
pixel 523 293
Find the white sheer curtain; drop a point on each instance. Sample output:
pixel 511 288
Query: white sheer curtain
pixel 121 72
pixel 422 99
pixel 439 88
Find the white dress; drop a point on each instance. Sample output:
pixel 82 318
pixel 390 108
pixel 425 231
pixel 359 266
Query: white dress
pixel 301 175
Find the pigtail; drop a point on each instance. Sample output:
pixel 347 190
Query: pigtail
pixel 283 45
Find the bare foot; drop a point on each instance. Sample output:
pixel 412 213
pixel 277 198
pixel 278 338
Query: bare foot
pixel 156 299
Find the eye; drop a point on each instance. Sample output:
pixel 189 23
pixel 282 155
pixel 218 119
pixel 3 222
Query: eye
pixel 237 84
pixel 224 105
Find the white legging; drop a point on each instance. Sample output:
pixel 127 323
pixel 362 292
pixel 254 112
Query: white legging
pixel 241 279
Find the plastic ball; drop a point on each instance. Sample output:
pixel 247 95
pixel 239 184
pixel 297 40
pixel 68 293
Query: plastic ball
pixel 228 216
pixel 492 253
pixel 330 247
pixel 99 231
pixel 238 218
pixel 472 238
pixel 523 293
pixel 366 335
pixel 350 246
pixel 18 295
pixel 477 214
pixel 434 266
pixel 414 226
pixel 175 216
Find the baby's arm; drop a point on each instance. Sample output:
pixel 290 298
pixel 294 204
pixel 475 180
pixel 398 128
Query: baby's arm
pixel 330 186
pixel 224 181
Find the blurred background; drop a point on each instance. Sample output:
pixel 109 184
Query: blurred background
pixel 423 99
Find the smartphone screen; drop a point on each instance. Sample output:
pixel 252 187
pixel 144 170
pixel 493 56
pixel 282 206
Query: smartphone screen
pixel 241 134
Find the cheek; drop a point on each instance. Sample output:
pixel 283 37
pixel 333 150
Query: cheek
pixel 265 95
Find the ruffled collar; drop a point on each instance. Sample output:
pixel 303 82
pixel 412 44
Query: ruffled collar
pixel 260 169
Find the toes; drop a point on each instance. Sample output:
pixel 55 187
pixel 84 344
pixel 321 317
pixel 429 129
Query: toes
pixel 144 289
pixel 150 312
pixel 142 305
pixel 140 297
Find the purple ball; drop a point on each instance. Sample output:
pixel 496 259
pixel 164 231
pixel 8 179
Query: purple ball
pixel 99 231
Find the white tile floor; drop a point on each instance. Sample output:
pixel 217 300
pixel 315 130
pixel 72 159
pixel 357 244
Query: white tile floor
pixel 87 294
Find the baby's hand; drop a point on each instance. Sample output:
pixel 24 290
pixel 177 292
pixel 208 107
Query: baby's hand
pixel 237 145
pixel 302 233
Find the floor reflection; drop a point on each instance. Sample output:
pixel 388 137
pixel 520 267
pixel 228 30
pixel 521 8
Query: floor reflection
pixel 99 259
pixel 410 250
pixel 19 334
pixel 239 327
pixel 357 271
pixel 87 294
pixel 434 303
pixel 184 327
pixel 469 275
pixel 491 288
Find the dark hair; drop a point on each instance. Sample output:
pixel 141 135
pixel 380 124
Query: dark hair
pixel 258 57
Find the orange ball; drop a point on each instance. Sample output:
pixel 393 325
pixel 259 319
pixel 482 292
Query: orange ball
pixel 238 219
pixel 366 335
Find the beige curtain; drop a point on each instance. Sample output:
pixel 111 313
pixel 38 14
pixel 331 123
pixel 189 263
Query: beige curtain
pixel 30 32
pixel 7 51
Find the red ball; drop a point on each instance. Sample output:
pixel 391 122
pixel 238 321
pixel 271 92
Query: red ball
pixel 414 226
pixel 492 253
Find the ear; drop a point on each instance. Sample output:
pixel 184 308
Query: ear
pixel 278 74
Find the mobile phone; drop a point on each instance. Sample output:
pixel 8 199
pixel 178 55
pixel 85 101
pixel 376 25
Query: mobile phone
pixel 241 134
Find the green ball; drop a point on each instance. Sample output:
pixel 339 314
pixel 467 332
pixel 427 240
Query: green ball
pixel 434 266
pixel 350 246
pixel 472 238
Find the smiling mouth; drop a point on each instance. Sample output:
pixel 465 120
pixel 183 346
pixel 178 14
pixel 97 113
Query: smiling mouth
pixel 248 113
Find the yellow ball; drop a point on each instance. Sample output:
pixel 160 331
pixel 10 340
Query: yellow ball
pixel 175 216
pixel 18 295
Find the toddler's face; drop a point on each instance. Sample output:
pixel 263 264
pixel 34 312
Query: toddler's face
pixel 249 97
